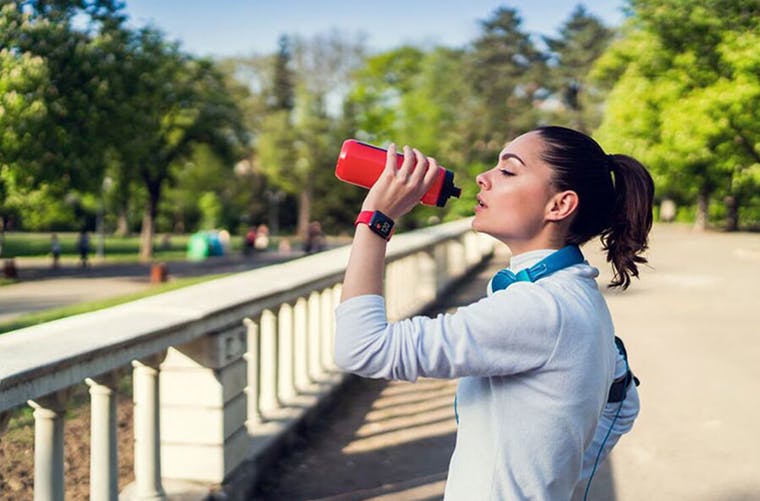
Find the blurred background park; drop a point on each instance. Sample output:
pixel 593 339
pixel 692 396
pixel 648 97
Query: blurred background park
pixel 116 128
pixel 152 128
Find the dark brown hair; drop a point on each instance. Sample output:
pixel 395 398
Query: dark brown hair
pixel 615 194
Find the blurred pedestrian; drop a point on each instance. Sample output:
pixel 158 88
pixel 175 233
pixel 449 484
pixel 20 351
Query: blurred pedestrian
pixel 84 247
pixel 262 238
pixel 249 242
pixel 315 239
pixel 55 250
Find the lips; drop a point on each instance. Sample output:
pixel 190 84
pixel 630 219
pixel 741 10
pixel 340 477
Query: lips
pixel 481 204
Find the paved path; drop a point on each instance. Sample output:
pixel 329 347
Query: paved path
pixel 692 327
pixel 42 288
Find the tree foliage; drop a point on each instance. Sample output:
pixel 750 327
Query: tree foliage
pixel 582 39
pixel 684 95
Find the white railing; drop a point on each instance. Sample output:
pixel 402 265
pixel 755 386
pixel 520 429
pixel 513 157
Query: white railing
pixel 220 370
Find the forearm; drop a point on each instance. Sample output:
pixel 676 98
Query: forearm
pixel 395 193
pixel 364 273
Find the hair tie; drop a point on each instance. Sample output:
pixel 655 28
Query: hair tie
pixel 611 162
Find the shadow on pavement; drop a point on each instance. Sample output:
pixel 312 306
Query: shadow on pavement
pixel 360 450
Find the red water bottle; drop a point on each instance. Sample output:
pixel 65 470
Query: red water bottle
pixel 361 164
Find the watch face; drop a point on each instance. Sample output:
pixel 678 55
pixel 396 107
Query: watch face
pixel 381 224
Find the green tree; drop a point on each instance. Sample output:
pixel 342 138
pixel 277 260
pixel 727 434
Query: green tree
pixel 54 92
pixel 283 87
pixel 684 86
pixel 508 73
pixel 582 39
pixel 377 90
pixel 174 102
pixel 297 146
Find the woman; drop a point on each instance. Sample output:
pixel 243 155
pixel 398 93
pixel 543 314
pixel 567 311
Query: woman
pixel 536 358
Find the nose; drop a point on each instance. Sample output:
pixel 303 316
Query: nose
pixel 482 180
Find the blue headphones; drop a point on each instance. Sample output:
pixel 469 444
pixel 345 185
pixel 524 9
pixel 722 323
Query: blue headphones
pixel 566 256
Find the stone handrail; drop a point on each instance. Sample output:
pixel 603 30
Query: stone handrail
pixel 239 358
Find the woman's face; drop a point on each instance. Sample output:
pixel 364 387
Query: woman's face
pixel 515 195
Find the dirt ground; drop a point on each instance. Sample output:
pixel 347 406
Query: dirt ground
pixel 17 452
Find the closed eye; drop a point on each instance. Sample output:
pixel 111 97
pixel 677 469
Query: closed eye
pixel 506 172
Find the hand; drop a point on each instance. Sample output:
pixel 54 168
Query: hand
pixel 399 189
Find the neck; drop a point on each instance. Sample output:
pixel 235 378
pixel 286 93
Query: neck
pixel 553 235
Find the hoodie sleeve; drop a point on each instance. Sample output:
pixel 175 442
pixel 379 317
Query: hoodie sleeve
pixel 509 332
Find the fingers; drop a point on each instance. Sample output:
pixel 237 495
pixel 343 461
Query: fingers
pixel 420 168
pixel 407 165
pixel 431 174
pixel 391 162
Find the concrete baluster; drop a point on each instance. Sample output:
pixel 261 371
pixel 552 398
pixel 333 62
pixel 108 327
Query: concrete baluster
pixel 472 248
pixel 389 290
pixel 301 344
pixel 315 362
pixel 48 446
pixel 327 317
pixel 268 398
pixel 285 361
pixel 253 359
pixel 104 464
pixel 204 407
pixel 456 260
pixel 440 254
pixel 337 291
pixel 426 277
pixel 147 429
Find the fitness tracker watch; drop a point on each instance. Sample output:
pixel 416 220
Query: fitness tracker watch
pixel 377 222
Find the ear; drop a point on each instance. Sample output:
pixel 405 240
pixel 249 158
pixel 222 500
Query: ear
pixel 562 205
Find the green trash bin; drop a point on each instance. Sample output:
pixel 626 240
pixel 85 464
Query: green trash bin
pixel 197 247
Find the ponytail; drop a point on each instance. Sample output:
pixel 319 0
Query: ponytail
pixel 615 194
pixel 627 236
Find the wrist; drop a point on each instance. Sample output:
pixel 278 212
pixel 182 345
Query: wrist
pixel 377 222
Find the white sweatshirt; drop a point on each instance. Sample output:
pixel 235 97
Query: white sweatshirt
pixel 536 361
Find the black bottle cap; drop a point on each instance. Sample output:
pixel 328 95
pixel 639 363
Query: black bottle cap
pixel 448 190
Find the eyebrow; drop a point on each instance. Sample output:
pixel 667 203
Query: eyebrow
pixel 505 156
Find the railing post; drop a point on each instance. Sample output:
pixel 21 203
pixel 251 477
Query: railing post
pixel 328 321
pixel 390 291
pixel 286 356
pixel 147 430
pixel 426 277
pixel 456 266
pixel 440 255
pixel 253 360
pixel 268 398
pixel 301 344
pixel 337 291
pixel 315 364
pixel 48 446
pixel 204 407
pixel 104 472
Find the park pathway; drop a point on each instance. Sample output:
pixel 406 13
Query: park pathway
pixel 42 288
pixel 692 327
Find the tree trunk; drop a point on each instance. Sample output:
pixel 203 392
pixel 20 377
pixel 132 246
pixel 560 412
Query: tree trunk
pixel 122 226
pixel 732 213
pixel 703 201
pixel 2 234
pixel 304 212
pixel 148 224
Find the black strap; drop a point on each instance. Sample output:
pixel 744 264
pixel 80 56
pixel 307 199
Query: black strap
pixel 620 386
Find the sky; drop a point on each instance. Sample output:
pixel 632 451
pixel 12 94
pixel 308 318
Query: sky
pixel 220 28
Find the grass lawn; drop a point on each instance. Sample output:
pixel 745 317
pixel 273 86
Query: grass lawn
pixel 23 244
pixel 67 311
